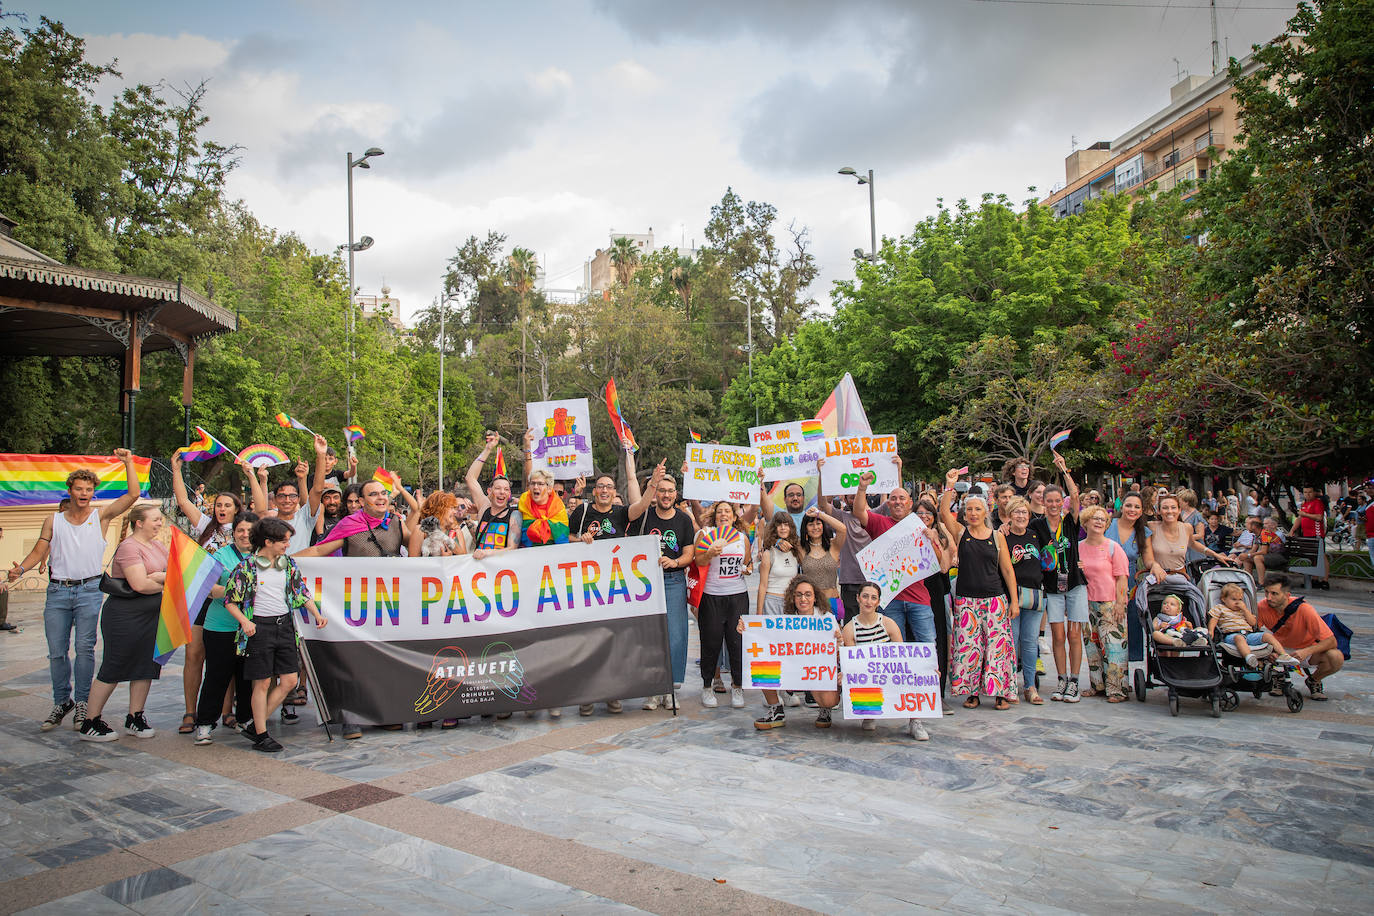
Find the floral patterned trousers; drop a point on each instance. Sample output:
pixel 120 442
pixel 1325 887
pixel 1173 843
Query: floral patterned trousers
pixel 1106 649
pixel 983 656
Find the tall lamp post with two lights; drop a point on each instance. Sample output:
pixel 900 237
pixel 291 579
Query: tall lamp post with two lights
pixel 872 216
pixel 360 163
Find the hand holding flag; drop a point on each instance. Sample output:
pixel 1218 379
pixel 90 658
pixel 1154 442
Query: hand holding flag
pixel 205 448
pixel 622 429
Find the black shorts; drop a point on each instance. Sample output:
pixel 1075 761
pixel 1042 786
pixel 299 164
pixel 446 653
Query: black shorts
pixel 272 649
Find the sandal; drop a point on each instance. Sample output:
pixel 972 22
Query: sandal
pixel 297 697
pixel 230 721
pixel 1033 697
pixel 1002 704
pixel 188 724
pixel 1116 699
pixel 972 702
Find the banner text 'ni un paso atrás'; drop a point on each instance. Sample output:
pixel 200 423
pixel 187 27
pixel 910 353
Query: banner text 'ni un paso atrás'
pixel 418 639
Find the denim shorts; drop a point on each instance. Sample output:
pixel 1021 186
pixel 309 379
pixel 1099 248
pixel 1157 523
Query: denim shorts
pixel 1074 605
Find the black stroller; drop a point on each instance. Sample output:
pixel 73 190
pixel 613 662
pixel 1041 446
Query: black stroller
pixel 1189 671
pixel 1235 674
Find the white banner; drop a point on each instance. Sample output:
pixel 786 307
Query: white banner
pixel 413 598
pixel 898 557
pixel 790 652
pixel 721 472
pixel 788 450
pixel 562 436
pixel 847 457
pixel 890 680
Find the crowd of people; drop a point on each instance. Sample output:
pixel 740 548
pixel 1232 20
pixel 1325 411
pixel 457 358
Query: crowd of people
pixel 1027 568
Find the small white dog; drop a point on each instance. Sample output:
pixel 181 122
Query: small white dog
pixel 436 543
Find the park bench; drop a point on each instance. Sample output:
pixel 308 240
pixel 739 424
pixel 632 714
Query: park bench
pixel 1307 558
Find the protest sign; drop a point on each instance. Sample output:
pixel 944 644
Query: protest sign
pixel 890 680
pixel 788 450
pixel 789 652
pixel 846 457
pixel 562 431
pixel 423 638
pixel 721 472
pixel 898 557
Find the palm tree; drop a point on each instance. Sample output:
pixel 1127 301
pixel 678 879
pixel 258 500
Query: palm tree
pixel 625 257
pixel 681 275
pixel 521 268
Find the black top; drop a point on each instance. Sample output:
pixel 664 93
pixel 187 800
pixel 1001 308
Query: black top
pixel 1025 556
pixel 611 523
pixel 979 573
pixel 674 534
pixel 1061 546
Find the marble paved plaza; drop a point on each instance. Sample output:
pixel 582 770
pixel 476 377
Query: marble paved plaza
pixel 1090 808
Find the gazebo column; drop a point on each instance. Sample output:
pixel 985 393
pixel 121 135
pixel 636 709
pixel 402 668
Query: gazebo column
pixel 133 371
pixel 188 355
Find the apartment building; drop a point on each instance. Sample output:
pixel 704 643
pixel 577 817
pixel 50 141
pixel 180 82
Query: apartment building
pixel 1180 142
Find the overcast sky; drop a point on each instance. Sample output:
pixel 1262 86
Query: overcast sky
pixel 556 122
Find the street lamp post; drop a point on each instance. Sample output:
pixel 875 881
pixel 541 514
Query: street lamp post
pixel 360 163
pixel 872 214
pixel 443 302
pixel 749 349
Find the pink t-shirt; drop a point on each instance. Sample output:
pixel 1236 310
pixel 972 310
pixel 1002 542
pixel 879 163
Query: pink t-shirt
pixel 1101 565
pixel 132 552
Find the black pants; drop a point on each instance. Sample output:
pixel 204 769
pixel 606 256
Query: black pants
pixel 849 597
pixel 222 665
pixel 941 639
pixel 717 619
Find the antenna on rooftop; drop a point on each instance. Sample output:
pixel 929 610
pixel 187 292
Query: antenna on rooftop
pixel 1178 70
pixel 1216 48
pixel 1073 143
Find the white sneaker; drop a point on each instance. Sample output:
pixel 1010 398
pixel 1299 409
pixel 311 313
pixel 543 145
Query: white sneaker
pixel 556 713
pixel 1071 692
pixel 203 735
pixel 708 698
pixel 737 698
pixel 1043 645
pixel 869 725
pixel 918 731
pixel 791 699
pixel 651 703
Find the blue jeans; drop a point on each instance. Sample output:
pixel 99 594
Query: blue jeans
pixel 1027 628
pixel 71 608
pixel 675 598
pixel 916 621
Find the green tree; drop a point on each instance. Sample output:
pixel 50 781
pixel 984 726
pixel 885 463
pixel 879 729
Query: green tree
pixel 625 258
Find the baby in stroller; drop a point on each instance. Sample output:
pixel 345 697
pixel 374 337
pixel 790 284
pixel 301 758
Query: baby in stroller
pixel 1172 628
pixel 1232 619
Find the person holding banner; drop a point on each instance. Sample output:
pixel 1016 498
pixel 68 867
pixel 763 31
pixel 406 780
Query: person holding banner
pixel 983 656
pixel 723 556
pixel 871 627
pixel 602 518
pixel 128 627
pixel 911 608
pixel 799 597
pixel 498 523
pixel 263 594
pixel 676 531
pixel 72 540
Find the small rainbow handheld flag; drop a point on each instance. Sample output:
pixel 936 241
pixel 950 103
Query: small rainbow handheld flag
pixel 499 469
pixel 1059 439
pixel 286 421
pixel 31 480
pixel 191 573
pixel 354 433
pixel 622 429
pixel 205 448
pixel 765 674
pixel 696 436
pixel 867 701
pixel 387 479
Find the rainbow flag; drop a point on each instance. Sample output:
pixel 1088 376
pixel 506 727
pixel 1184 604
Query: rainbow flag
pixel 1059 439
pixel 696 436
pixel 842 414
pixel 499 469
pixel 867 701
pixel 387 479
pixel 205 448
pixel 354 433
pixel 622 429
pixel 34 480
pixel 286 421
pixel 263 455
pixel 765 674
pixel 191 573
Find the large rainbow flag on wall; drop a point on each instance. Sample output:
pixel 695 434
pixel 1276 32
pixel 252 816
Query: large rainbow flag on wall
pixel 34 480
pixel 191 573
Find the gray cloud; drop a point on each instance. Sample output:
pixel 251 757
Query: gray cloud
pixel 483 123
pixel 263 52
pixel 793 20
